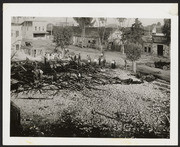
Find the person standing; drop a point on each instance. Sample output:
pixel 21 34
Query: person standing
pixel 45 59
pixel 79 58
pixel 89 59
pixel 113 64
pixel 125 65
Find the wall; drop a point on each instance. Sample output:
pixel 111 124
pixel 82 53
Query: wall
pixel 39 29
pixel 39 26
pixel 166 50
pixel 147 45
pixel 87 42
pixel 27 30
pixel 16 36
pixel 115 35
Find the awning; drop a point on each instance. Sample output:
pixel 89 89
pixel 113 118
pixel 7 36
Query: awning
pixel 40 32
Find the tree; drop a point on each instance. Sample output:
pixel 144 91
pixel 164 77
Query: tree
pixel 62 37
pixel 133 53
pixel 102 31
pixel 121 28
pixel 166 29
pixel 121 21
pixel 84 22
pixel 158 24
pixel 135 33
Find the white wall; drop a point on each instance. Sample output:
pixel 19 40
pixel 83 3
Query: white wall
pixel 39 26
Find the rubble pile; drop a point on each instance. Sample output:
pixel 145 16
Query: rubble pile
pixel 64 74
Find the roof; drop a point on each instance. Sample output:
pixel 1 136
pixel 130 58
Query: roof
pixel 15 24
pixel 147 39
pixel 158 29
pixel 159 39
pixel 40 32
pixel 159 34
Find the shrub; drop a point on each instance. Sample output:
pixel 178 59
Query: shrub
pixel 133 51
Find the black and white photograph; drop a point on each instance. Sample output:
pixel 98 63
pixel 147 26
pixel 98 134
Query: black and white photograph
pixel 90 77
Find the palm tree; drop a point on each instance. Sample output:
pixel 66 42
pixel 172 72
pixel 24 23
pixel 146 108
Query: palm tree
pixel 83 23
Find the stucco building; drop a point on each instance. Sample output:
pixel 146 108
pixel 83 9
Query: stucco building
pixel 115 40
pixel 16 36
pixel 156 43
pixel 91 38
pixel 24 31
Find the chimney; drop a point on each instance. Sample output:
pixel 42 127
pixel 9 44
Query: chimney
pixel 154 30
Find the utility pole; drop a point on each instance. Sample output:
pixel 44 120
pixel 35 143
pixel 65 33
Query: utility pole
pixel 51 29
pixel 66 21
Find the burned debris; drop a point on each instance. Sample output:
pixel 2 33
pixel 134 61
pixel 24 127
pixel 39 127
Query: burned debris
pixel 63 74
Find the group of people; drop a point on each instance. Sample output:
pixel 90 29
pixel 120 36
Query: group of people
pixel 76 57
pixel 100 60
pixel 52 57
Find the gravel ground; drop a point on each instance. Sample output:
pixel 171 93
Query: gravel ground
pixel 144 99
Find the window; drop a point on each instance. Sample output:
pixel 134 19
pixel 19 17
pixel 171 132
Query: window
pixel 17 33
pixel 94 41
pixel 39 28
pixel 28 43
pixel 11 34
pixel 43 28
pixel 17 46
pixel 145 49
pixel 149 49
pixel 35 28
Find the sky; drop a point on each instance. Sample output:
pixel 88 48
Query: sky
pixel 127 23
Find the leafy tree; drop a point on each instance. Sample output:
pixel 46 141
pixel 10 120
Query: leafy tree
pixel 166 29
pixel 135 33
pixel 83 23
pixel 158 24
pixel 133 53
pixel 121 21
pixel 62 37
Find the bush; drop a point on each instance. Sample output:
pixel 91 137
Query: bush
pixel 133 51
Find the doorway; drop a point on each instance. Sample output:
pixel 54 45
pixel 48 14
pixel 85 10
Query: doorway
pixel 160 50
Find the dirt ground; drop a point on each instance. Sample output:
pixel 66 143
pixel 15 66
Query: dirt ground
pixel 119 58
pixel 148 101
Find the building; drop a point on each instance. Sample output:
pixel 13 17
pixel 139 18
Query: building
pixel 16 36
pixel 147 44
pixel 24 32
pixel 115 40
pixel 91 38
pixel 159 46
pixel 34 29
pixel 63 24
pixel 155 43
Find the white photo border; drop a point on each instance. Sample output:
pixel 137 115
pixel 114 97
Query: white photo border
pixel 151 10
